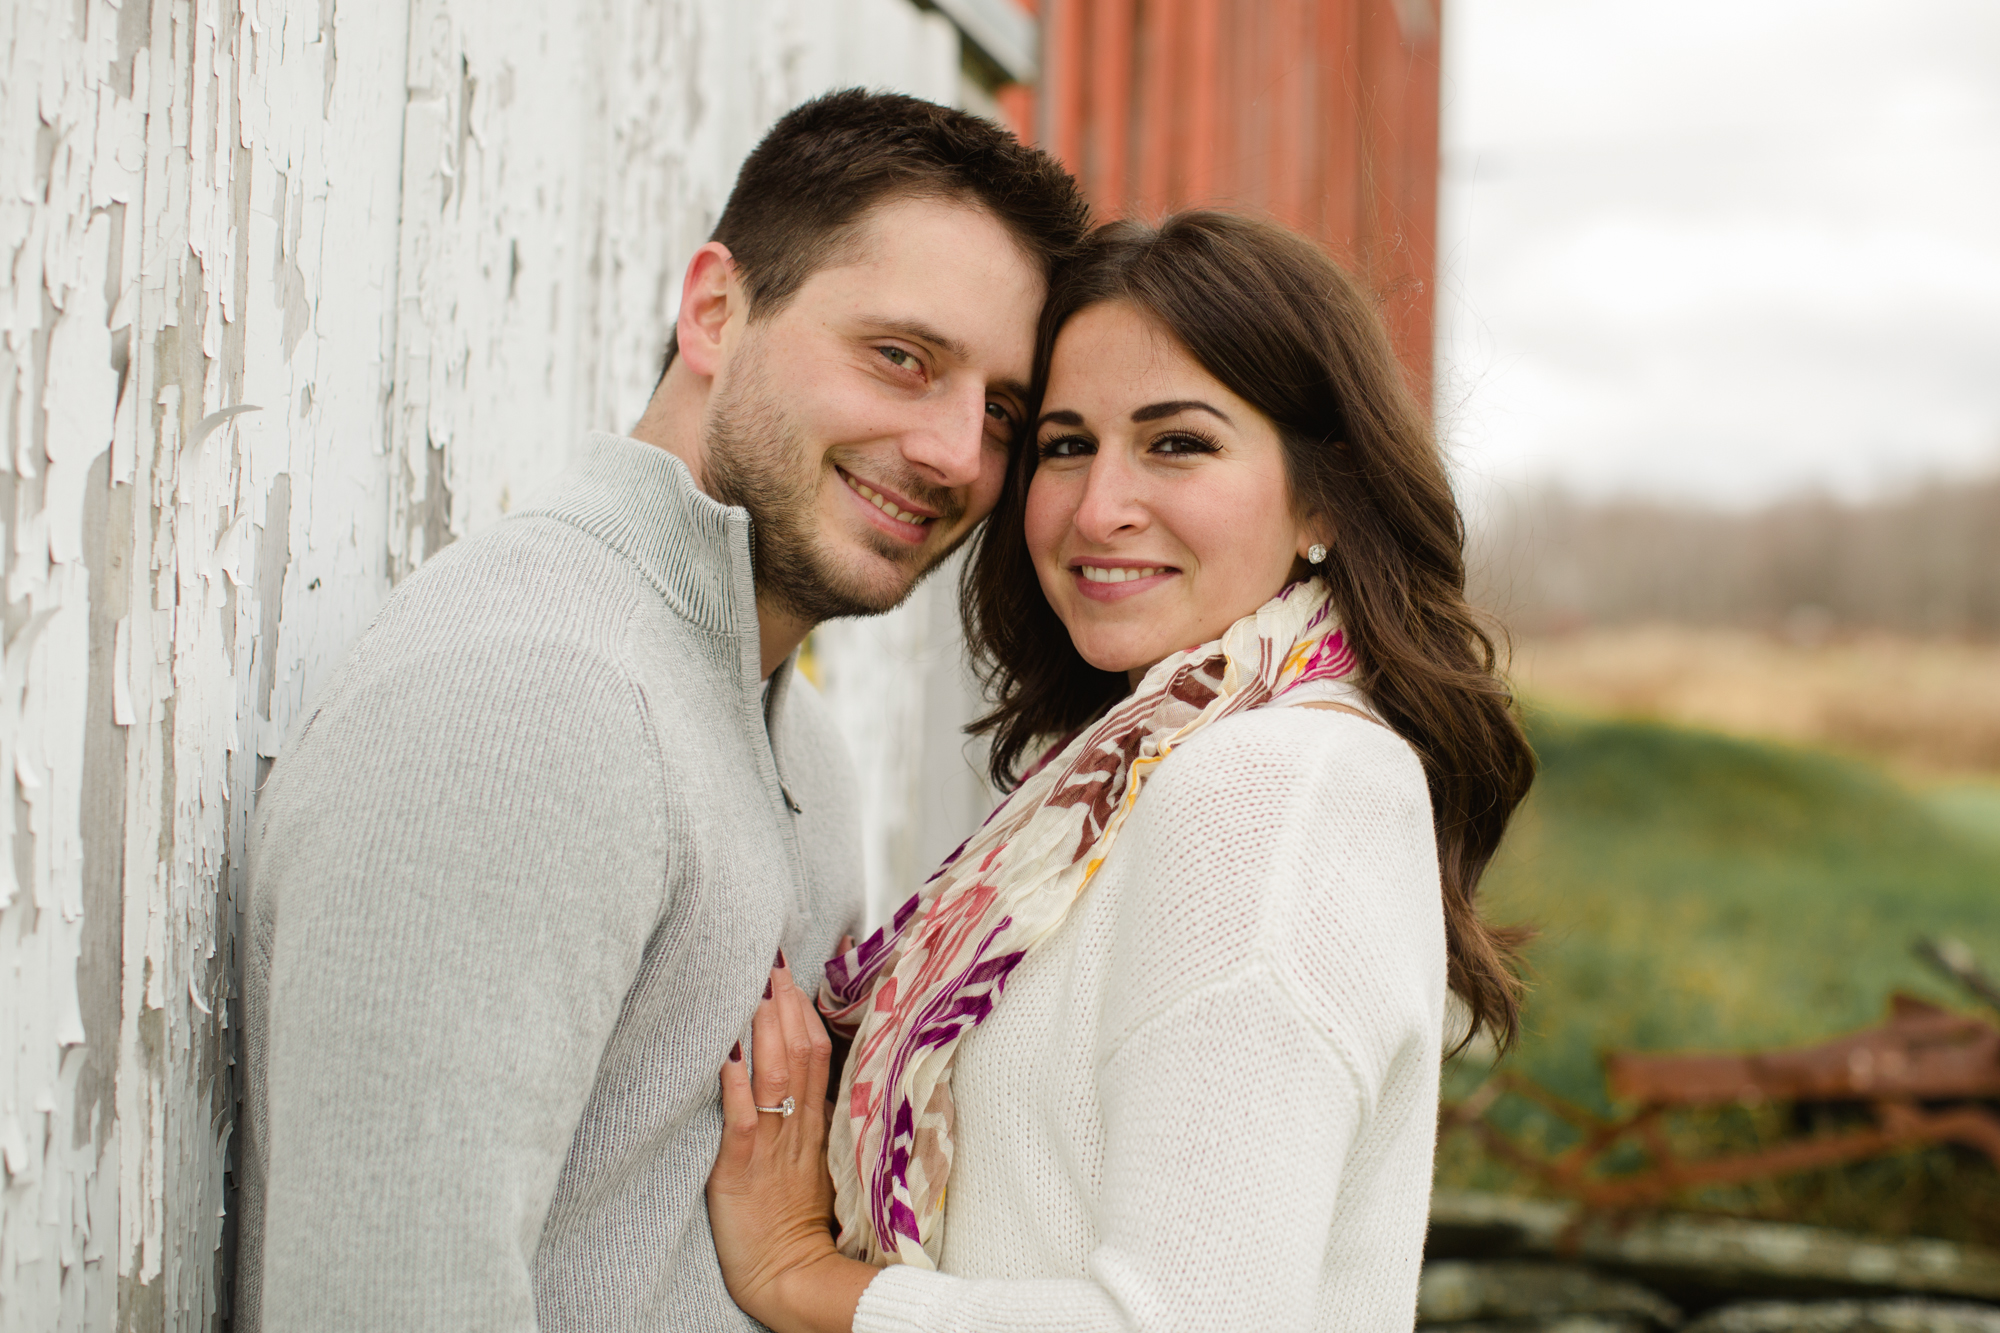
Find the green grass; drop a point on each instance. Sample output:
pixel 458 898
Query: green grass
pixel 1702 892
pixel 1968 807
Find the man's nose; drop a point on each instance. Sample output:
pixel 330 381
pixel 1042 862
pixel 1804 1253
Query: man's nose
pixel 949 445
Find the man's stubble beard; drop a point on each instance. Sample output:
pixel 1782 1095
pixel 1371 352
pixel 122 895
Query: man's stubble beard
pixel 756 458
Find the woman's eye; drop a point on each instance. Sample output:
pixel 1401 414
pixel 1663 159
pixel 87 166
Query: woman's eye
pixel 1066 446
pixel 1184 444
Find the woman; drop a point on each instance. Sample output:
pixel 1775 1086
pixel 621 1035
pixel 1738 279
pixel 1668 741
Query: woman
pixel 1170 1023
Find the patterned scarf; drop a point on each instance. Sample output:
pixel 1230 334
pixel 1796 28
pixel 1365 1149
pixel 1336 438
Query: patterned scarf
pixel 912 990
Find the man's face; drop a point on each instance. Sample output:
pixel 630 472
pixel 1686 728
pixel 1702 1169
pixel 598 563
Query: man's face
pixel 865 425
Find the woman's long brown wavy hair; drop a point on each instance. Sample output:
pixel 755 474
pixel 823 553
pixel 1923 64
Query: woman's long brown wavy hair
pixel 1279 323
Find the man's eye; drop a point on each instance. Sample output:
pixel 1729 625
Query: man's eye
pixel 900 359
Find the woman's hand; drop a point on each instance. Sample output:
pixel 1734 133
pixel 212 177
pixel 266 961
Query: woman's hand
pixel 770 1199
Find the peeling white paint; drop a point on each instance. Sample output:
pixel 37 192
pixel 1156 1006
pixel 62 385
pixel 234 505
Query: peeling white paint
pixel 292 293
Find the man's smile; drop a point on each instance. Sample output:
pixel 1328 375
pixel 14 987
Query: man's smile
pixel 895 514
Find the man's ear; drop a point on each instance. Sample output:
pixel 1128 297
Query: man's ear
pixel 710 297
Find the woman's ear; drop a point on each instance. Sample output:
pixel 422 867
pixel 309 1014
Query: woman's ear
pixel 1315 539
pixel 710 297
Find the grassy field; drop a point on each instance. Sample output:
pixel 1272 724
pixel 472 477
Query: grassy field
pixel 1698 890
pixel 1927 708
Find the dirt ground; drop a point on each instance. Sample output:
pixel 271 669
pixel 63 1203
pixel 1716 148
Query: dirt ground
pixel 1929 708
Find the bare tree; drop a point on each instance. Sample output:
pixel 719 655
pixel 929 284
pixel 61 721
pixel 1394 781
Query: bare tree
pixel 1926 562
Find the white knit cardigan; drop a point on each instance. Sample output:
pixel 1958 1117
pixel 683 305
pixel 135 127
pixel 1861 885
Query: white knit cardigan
pixel 1209 1101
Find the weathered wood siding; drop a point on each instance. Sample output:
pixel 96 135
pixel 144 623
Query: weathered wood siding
pixel 295 293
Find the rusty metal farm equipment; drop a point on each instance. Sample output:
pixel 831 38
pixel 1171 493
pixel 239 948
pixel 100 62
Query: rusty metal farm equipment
pixel 1927 1075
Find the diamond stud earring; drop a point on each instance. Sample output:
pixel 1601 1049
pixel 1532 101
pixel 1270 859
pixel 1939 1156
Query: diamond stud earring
pixel 1315 554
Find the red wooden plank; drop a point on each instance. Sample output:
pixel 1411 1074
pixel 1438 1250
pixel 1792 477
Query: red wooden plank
pixel 1110 103
pixel 1017 109
pixel 1064 57
pixel 1286 59
pixel 1162 70
pixel 1204 102
pixel 1322 113
pixel 1339 147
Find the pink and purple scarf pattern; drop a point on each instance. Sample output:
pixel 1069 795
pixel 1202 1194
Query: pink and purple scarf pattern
pixel 913 989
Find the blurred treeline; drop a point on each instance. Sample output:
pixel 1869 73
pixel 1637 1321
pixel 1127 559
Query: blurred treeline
pixel 1923 562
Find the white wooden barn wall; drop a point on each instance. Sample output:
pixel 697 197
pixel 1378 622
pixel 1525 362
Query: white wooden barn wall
pixel 294 293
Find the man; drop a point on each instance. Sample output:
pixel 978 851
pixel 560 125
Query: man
pixel 518 881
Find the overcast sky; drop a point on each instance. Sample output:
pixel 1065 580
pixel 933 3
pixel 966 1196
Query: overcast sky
pixel 1720 249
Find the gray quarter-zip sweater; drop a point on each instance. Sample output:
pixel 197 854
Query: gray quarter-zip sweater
pixel 514 889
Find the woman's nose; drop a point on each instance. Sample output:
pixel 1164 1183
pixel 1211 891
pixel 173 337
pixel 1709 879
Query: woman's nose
pixel 1111 505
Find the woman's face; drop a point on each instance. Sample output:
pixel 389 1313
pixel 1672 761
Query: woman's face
pixel 1159 511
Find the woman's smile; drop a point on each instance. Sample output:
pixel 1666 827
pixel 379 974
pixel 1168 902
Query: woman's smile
pixel 1112 581
pixel 1159 512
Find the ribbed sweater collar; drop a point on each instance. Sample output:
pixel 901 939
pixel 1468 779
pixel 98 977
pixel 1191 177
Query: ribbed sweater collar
pixel 641 501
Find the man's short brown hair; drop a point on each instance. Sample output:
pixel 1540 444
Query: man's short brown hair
pixel 828 161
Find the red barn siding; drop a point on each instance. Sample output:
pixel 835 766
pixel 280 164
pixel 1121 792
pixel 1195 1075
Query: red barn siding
pixel 1321 113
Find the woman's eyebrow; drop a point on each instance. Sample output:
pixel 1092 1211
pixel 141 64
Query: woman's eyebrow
pixel 1061 418
pixel 1154 411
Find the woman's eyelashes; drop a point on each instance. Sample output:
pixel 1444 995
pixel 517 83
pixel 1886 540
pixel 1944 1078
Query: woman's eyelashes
pixel 1067 446
pixel 1186 442
pixel 1172 444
